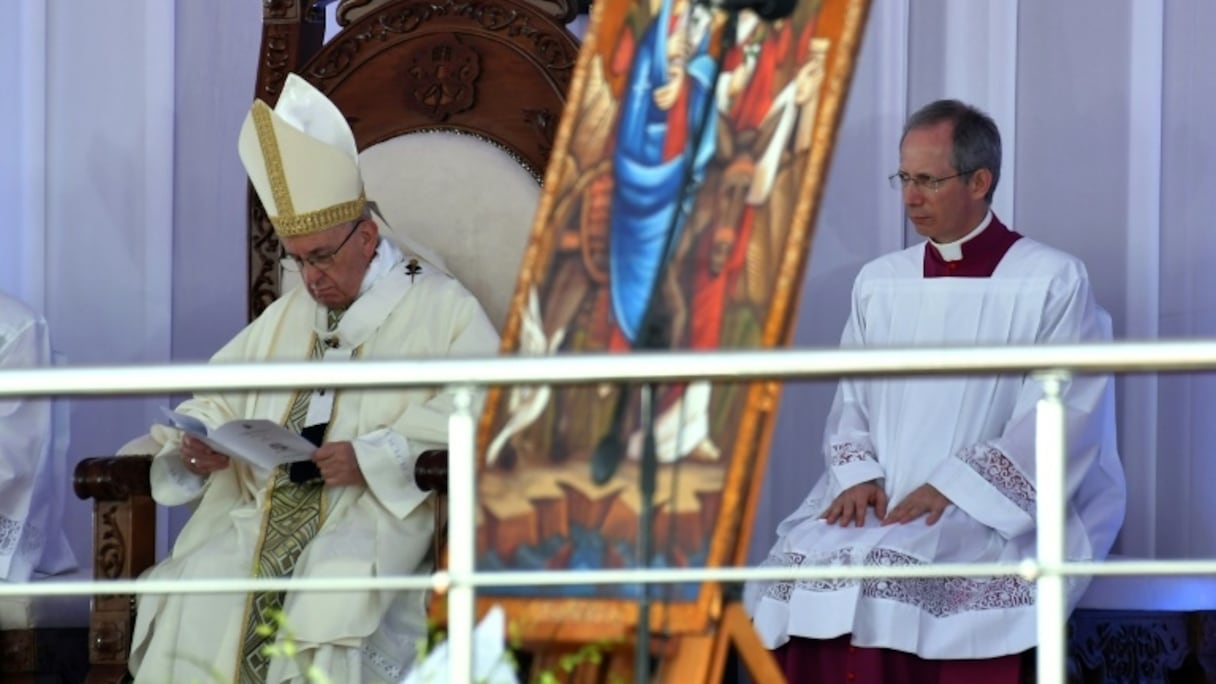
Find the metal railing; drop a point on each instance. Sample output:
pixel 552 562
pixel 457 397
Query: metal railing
pixel 1052 365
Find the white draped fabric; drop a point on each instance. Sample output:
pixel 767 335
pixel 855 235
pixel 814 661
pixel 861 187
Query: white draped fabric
pixel 33 448
pixel 380 530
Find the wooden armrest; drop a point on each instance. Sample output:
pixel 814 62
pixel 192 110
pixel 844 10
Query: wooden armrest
pixel 113 478
pixel 431 471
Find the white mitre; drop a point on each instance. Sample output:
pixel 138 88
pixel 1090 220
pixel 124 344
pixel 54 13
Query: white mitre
pixel 302 160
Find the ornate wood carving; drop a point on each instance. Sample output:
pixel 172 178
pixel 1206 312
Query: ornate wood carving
pixel 110 542
pixel 494 68
pixel 282 10
pixel 440 78
pixel 276 59
pixel 263 258
pixel 1121 646
pixel 123 537
pixel 563 11
pixel 292 31
pixel 544 123
pixel 545 41
pixel 124 530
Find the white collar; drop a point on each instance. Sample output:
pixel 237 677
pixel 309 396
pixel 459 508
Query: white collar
pixel 953 251
pixel 387 256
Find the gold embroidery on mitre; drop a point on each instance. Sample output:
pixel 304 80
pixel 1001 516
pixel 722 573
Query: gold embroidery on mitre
pixel 269 143
pixel 316 221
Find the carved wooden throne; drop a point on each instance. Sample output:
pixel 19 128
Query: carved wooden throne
pixel 454 104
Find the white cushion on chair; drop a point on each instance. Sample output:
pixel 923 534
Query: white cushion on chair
pixel 464 198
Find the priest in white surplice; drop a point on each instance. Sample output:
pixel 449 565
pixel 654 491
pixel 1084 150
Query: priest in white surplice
pixel 359 513
pixel 942 470
pixel 33 443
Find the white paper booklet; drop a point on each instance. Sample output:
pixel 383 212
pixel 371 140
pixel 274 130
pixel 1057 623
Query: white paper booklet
pixel 263 443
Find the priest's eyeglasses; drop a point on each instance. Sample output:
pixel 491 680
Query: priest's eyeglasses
pixel 322 261
pixel 922 182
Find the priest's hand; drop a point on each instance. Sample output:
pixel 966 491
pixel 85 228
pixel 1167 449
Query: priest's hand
pixel 924 500
pixel 852 503
pixel 338 465
pixel 199 458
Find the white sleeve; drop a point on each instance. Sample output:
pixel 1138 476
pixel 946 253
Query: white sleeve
pixel 386 455
pixel 847 448
pixel 995 481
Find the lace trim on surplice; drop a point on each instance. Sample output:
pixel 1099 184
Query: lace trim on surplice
pixel 937 596
pixel 1001 472
pixel 849 452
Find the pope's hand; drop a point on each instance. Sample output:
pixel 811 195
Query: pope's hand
pixel 338 465
pixel 199 458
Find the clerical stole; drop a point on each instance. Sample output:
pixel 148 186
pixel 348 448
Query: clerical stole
pixel 295 513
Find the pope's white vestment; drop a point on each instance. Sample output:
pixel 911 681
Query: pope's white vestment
pixel 973 439
pixel 383 529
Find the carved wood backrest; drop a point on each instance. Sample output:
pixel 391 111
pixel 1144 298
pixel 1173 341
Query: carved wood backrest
pixel 454 105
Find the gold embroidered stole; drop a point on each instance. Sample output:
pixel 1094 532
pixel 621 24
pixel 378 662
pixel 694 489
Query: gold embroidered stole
pixel 293 516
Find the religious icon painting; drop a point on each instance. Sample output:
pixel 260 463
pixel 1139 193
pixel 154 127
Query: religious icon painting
pixel 677 213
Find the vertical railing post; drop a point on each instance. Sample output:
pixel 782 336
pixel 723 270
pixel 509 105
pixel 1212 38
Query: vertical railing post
pixel 1050 473
pixel 461 540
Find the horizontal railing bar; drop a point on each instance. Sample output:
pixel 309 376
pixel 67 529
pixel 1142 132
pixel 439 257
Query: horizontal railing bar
pixel 1160 356
pixel 442 580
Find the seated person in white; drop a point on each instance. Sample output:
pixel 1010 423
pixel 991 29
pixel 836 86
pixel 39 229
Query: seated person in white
pixel 360 513
pixel 33 445
pixel 925 470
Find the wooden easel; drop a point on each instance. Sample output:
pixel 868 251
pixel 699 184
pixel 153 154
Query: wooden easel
pixel 687 659
pixel 703 659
